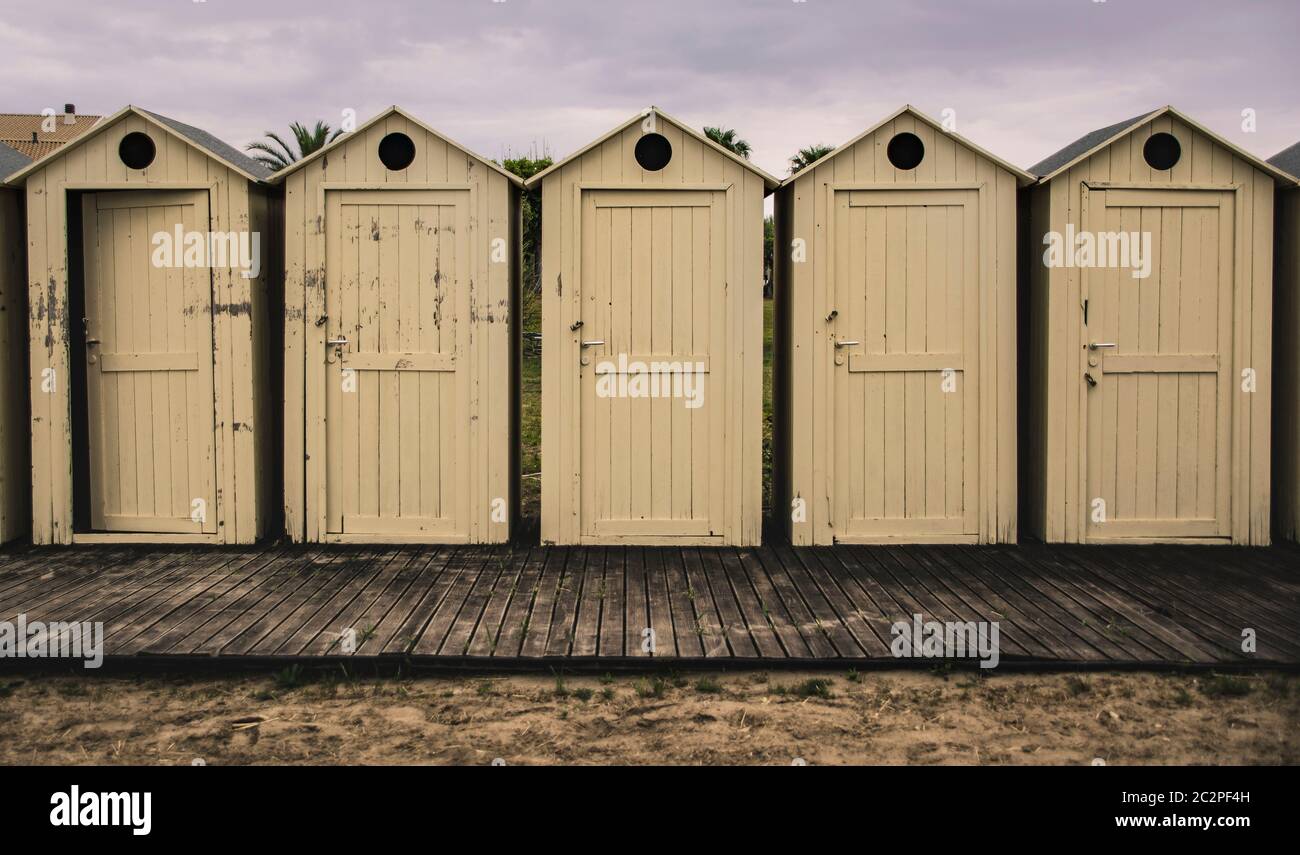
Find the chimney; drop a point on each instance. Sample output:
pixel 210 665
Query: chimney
pixel 69 114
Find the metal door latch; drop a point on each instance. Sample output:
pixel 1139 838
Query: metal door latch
pixel 1092 381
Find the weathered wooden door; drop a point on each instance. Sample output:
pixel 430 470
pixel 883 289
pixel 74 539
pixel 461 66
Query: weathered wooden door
pixel 653 363
pixel 397 273
pixel 149 389
pixel 1159 350
pixel 905 373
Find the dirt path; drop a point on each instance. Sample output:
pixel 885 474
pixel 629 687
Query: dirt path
pixel 734 718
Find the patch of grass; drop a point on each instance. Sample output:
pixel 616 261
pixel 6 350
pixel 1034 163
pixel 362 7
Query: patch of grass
pixel 607 693
pixel 607 679
pixel 708 686
pixel 1225 686
pixel 816 687
pixel 290 678
pixel 1182 697
pixel 583 694
pixel 656 688
pixel 484 689
pixel 1076 686
pixel 73 690
pixel 853 676
pixel 561 690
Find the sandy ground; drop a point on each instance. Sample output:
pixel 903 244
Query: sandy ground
pixel 720 718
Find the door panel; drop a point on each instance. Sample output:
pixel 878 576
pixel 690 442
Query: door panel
pixel 1158 418
pixel 149 358
pixel 653 285
pixel 905 379
pixel 396 267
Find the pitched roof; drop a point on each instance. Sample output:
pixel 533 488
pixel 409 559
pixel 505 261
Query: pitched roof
pixel 11 161
pixel 277 177
pixel 769 182
pixel 25 132
pixel 220 149
pixel 1088 144
pixel 1288 159
pixel 200 139
pixel 1085 144
pixel 1022 178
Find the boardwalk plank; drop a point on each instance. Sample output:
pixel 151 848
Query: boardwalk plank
pixel 1076 605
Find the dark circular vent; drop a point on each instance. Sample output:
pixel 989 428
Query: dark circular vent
pixel 1162 151
pixel 396 151
pixel 905 150
pixel 653 151
pixel 137 150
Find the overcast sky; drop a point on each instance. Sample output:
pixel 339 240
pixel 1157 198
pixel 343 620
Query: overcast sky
pixel 1024 76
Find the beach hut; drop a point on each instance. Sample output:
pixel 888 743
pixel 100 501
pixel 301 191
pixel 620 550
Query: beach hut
pixel 895 361
pixel 1286 351
pixel 15 479
pixel 1150 337
pixel 401 339
pixel 151 355
pixel 652 330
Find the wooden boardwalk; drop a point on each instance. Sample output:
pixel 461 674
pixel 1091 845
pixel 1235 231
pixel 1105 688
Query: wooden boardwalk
pixel 541 606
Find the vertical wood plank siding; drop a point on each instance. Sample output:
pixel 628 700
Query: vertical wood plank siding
pixel 908 467
pixel 733 466
pixel 1059 503
pixel 242 385
pixel 476 419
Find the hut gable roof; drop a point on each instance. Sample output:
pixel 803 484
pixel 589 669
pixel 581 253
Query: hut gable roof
pixel 769 182
pixel 1089 144
pixel 11 161
pixel 196 137
pixel 343 139
pixel 1288 160
pixel 1023 178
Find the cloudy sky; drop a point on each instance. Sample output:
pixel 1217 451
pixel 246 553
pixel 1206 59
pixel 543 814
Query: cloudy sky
pixel 1024 76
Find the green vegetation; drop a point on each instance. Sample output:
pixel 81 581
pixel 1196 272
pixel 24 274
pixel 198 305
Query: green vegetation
pixel 277 154
pixel 806 157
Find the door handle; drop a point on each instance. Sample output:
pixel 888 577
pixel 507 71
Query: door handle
pixel 593 342
pixel 846 343
pixel 336 342
pixel 91 342
pixel 1098 345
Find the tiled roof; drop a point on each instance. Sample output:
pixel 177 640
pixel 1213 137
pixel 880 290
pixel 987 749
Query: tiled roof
pixel 16 130
pixel 34 150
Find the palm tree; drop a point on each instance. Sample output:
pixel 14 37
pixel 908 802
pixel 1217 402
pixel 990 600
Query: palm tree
pixel 727 139
pixel 808 156
pixel 278 156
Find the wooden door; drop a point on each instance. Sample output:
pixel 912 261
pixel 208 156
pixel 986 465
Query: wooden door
pixel 397 408
pixel 905 374
pixel 653 273
pixel 1159 351
pixel 149 362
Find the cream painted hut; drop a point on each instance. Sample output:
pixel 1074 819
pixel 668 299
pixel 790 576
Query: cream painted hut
pixel 1286 351
pixel 895 366
pixel 401 339
pixel 152 381
pixel 1150 337
pixel 652 318
pixel 15 478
